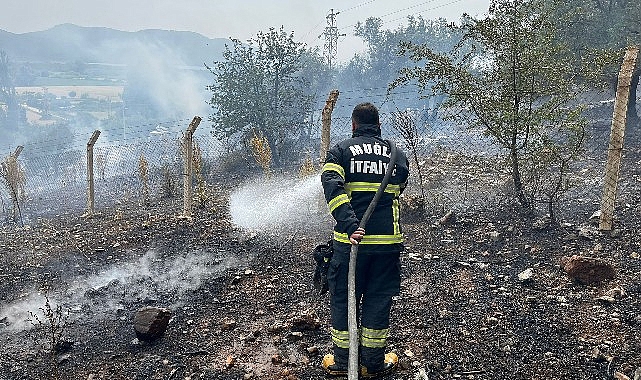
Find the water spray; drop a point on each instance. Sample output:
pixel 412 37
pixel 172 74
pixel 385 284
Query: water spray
pixel 280 205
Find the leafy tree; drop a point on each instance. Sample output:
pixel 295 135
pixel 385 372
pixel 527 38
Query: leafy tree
pixel 12 115
pixel 381 63
pixel 515 84
pixel 264 87
pixel 601 29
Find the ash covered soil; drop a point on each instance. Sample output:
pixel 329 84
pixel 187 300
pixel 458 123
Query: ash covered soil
pixel 243 305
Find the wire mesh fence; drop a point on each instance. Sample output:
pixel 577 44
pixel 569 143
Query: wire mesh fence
pixel 454 166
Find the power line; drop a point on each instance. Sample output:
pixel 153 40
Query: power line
pixel 407 8
pixel 358 6
pixel 429 9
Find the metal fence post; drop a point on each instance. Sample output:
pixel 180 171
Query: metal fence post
pixel 188 143
pixel 615 147
pixel 90 187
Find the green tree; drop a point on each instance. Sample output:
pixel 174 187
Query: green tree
pixel 381 63
pixel 12 115
pixel 264 86
pixel 516 84
pixel 601 29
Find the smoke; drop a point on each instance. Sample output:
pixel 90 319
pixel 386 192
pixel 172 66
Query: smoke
pixel 122 287
pixel 163 74
pixel 158 74
pixel 280 206
pixel 17 316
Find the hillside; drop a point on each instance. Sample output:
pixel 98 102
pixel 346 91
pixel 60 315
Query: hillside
pixel 73 43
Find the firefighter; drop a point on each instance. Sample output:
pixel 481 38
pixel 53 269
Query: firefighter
pixel 351 176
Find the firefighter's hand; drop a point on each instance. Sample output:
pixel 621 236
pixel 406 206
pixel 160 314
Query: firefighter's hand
pixel 357 236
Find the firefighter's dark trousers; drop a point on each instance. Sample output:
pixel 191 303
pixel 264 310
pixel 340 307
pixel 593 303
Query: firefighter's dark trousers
pixel 377 280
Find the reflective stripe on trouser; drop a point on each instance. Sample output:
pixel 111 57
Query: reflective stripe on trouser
pixel 340 338
pixel 378 279
pixel 374 338
pixel 375 312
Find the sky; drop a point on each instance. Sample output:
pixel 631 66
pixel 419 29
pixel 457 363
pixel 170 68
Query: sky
pixel 240 19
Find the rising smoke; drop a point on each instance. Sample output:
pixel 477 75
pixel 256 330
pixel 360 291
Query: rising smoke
pixel 150 279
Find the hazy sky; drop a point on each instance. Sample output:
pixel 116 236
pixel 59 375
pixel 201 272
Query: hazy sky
pixel 230 18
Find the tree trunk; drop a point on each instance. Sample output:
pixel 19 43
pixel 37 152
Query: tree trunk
pixel 516 178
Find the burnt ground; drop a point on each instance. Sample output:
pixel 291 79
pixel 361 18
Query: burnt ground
pixel 244 307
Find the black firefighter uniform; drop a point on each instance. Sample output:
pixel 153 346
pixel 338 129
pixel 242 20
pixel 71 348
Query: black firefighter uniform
pixel 351 176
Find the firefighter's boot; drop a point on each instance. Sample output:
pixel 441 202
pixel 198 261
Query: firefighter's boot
pixel 332 369
pixel 389 365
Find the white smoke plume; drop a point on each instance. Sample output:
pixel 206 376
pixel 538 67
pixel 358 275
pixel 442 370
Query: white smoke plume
pixel 121 286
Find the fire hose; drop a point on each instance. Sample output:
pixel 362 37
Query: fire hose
pixel 352 325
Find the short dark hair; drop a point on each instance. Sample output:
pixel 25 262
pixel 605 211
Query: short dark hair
pixel 365 113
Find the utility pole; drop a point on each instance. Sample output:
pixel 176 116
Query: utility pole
pixel 331 39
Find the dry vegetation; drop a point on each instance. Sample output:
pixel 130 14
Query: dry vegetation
pixel 262 151
pixel 12 177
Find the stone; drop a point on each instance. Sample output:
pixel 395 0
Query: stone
pixel 62 359
pixel 620 376
pixel 421 375
pixel 150 322
pixel 588 232
pixel 230 361
pixel 277 359
pixel 606 299
pixel 526 275
pixel 492 321
pixel 306 321
pixel 616 293
pixel 228 324
pixel 295 336
pixel 587 270
pixel 312 351
pixel 597 355
pixel 248 338
pixel 276 328
pixel 637 374
pixel 448 219
pixel 542 223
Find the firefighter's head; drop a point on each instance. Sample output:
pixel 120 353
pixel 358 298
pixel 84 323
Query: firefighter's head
pixel 365 113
